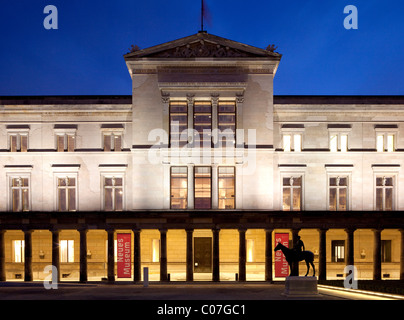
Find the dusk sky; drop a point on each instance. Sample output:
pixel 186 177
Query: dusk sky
pixel 84 56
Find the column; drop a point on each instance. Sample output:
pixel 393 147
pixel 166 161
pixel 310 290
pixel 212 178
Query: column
pixel 191 187
pixel 377 255
pixel 295 265
pixel 28 255
pixel 163 255
pixel 215 185
pixel 137 270
pixel 402 255
pixel 268 255
pixel 2 256
pixel 322 259
pixel 242 255
pixel 215 101
pixel 350 246
pixel 111 256
pixel 83 255
pixel 190 101
pixel 216 266
pixel 56 251
pixel 190 255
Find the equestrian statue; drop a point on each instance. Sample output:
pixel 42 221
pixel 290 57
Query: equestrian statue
pixel 297 254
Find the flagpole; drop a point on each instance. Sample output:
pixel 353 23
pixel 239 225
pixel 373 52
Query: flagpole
pixel 202 15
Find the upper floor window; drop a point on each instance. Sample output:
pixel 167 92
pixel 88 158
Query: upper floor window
pixel 386 138
pixel 65 137
pixel 20 193
pixel 18 138
pixel 113 193
pixel 112 135
pixel 179 188
pixel 384 193
pixel 338 193
pixel 292 137
pixel 178 123
pixel 227 186
pixel 202 124
pixel 338 137
pixel 292 193
pixel 66 193
pixel 227 123
pixel 203 188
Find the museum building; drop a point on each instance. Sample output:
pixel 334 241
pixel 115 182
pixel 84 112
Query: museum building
pixel 201 168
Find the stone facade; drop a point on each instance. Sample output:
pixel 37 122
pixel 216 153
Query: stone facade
pixel 66 162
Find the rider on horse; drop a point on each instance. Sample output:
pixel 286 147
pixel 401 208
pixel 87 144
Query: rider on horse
pixel 299 247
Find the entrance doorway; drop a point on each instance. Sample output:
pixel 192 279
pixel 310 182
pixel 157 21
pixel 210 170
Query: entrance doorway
pixel 202 255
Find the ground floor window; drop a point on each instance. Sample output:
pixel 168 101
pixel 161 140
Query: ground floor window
pixel 18 250
pixel 386 250
pixel 338 250
pixel 67 251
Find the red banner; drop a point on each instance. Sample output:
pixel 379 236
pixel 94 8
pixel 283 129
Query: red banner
pixel 123 255
pixel 281 265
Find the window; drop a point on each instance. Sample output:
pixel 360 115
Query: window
pixel 203 188
pixel 227 123
pixel 112 142
pixel 338 142
pixel 19 194
pixel 292 142
pixel 250 250
pixel 338 250
pixel 66 193
pixel 385 142
pixel 384 193
pixel 67 251
pixel 292 193
pixel 338 193
pixel 178 123
pixel 386 250
pixel 179 188
pixel 18 142
pixel 19 249
pixel 202 124
pixel 226 176
pixel 155 250
pixel 113 193
pixel 65 142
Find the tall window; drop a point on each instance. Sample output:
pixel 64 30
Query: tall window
pixel 19 246
pixel 179 188
pixel 19 194
pixel 203 188
pixel 155 250
pixel 112 141
pixel 65 142
pixel 384 193
pixel 18 142
pixel 67 251
pixel 178 123
pixel 250 246
pixel 113 193
pixel 226 176
pixel 202 124
pixel 385 142
pixel 66 193
pixel 227 123
pixel 386 250
pixel 338 193
pixel 292 193
pixel 338 250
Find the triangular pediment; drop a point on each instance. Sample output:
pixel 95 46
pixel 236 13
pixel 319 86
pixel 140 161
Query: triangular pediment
pixel 202 45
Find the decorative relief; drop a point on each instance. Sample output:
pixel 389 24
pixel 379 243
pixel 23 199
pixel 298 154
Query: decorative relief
pixel 239 97
pixel 202 49
pixel 165 97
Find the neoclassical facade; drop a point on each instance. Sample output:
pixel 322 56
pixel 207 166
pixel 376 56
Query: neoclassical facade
pixel 202 165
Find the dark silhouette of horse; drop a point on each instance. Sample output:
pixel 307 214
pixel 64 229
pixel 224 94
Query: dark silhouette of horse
pixel 294 256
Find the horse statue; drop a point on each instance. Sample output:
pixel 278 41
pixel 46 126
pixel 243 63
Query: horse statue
pixel 294 256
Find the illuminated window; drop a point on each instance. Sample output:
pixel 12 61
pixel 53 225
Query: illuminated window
pixel 287 146
pixel 155 250
pixel 178 123
pixel 338 250
pixel 18 142
pixel 19 246
pixel 384 193
pixel 297 142
pixel 67 251
pixel 386 250
pixel 292 142
pixel 227 123
pixel 203 188
pixel 179 188
pixel 338 142
pixel 226 177
pixel 66 193
pixel 292 193
pixel 202 124
pixel 338 193
pixel 250 250
pixel 113 193
pixel 19 194
pixel 385 142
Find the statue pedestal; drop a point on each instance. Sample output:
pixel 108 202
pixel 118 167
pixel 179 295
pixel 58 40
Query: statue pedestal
pixel 301 286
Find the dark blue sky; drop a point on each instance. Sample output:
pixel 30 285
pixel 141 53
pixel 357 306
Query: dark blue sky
pixel 85 55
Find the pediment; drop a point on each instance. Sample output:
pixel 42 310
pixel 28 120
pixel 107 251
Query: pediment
pixel 202 45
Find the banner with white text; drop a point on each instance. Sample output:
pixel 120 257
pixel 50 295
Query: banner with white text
pixel 281 265
pixel 124 255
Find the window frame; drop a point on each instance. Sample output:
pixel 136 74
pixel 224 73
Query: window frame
pixel 182 133
pixel 211 184
pixel 234 187
pixel 386 131
pixel 201 134
pixel 171 187
pixel 334 244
